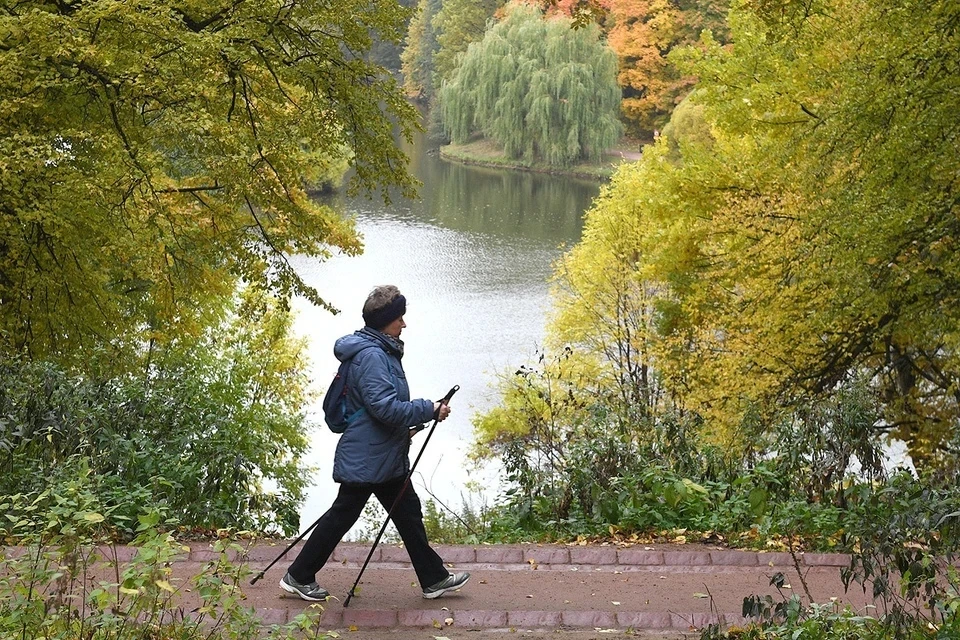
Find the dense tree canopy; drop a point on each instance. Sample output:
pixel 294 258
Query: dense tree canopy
pixel 458 23
pixel 387 52
pixel 154 153
pixel 537 87
pixel 808 240
pixel 419 49
pixel 643 33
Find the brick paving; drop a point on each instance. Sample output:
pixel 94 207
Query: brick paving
pixel 636 590
pixel 669 591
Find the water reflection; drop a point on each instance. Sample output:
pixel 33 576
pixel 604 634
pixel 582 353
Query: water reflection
pixel 516 204
pixel 472 255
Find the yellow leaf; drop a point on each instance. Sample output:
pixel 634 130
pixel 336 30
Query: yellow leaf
pixel 163 584
pixel 129 592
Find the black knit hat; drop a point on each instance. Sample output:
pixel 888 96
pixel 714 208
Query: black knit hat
pixel 380 318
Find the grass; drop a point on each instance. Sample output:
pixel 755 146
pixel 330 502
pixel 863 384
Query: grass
pixel 489 154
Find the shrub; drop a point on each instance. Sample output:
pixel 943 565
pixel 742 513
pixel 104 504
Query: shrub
pixel 213 429
pixel 57 587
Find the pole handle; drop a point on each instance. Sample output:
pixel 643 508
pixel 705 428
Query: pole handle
pixel 453 390
pixel 446 399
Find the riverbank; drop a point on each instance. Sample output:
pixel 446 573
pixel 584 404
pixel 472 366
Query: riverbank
pixel 489 154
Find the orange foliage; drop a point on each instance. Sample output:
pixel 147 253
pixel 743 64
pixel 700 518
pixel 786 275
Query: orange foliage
pixel 642 34
pixel 573 8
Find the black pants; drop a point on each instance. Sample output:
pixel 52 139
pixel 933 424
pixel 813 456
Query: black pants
pixel 344 513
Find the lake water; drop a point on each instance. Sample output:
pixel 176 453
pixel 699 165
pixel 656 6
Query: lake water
pixel 473 256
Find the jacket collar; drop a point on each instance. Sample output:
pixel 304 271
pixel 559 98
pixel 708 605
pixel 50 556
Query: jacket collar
pixel 389 343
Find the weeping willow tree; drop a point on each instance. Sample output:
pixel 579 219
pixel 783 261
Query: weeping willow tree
pixel 539 88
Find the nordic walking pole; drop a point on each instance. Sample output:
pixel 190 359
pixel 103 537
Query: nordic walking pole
pixel 446 400
pixel 290 546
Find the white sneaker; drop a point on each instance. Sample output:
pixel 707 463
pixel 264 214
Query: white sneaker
pixel 453 582
pixel 311 592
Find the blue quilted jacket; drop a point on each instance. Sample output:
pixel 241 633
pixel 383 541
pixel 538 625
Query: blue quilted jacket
pixel 375 446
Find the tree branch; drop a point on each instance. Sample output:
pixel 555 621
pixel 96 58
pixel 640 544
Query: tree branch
pixel 213 187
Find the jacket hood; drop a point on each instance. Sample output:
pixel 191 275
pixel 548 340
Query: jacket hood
pixel 350 345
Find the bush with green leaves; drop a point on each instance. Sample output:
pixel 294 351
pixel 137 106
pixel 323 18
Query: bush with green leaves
pixel 65 581
pixel 907 543
pixel 790 619
pixel 214 429
pixel 579 463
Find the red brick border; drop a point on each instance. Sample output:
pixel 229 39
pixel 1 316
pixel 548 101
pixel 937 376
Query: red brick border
pixel 639 557
pixel 370 618
pixel 534 619
pixel 643 620
pixel 589 619
pixel 499 555
pixel 593 555
pixel 479 618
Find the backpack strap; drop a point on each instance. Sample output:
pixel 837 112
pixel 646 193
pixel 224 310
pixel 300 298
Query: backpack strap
pixel 356 414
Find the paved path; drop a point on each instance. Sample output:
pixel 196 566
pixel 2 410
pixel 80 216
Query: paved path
pixel 583 591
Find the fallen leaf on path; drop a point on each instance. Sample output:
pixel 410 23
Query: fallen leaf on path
pixel 701 595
